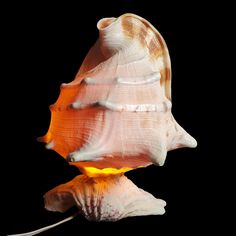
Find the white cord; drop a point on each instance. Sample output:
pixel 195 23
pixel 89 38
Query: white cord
pixel 44 228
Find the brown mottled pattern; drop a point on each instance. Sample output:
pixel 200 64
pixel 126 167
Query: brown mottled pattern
pixel 160 41
pixel 165 75
pixel 133 27
pixel 154 48
pixel 142 29
pixel 127 26
pixel 165 80
pixel 142 36
pixel 146 24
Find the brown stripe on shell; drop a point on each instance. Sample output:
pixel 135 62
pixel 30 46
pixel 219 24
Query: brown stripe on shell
pixel 160 41
pixel 127 26
pixel 165 80
pixel 146 24
pixel 165 75
pixel 133 27
pixel 142 36
pixel 144 28
pixel 148 36
pixel 156 45
pixel 154 48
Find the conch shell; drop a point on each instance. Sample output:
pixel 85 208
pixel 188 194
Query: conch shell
pixel 116 114
pixel 114 117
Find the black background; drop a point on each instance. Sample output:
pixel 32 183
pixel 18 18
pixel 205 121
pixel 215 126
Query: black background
pixel 44 46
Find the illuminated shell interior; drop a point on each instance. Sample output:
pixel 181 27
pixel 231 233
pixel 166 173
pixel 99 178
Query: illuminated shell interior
pixel 116 114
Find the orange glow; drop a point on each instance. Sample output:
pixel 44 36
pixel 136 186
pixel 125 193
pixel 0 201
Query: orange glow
pixel 71 129
pixel 95 172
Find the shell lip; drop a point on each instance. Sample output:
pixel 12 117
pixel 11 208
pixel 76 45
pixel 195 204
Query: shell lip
pixel 105 23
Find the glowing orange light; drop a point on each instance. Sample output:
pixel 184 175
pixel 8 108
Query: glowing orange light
pixel 95 172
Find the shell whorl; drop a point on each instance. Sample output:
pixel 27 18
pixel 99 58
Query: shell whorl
pixel 117 111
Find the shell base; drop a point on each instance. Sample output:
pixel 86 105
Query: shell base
pixel 108 198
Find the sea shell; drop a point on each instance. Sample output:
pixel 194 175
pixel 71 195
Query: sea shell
pixel 103 199
pixel 117 112
pixel 115 116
